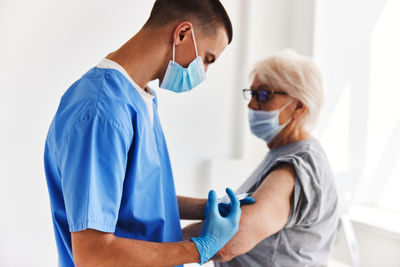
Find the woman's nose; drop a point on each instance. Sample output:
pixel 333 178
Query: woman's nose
pixel 253 104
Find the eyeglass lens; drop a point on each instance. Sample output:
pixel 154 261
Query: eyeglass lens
pixel 261 95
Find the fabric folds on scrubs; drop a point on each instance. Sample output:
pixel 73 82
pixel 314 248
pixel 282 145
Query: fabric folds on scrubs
pixel 107 164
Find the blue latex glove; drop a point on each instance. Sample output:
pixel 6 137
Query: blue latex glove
pixel 224 208
pixel 217 230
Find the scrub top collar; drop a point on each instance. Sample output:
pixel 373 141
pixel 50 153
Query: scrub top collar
pixel 106 63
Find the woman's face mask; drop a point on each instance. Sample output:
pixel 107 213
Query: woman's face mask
pixel 265 124
pixel 179 79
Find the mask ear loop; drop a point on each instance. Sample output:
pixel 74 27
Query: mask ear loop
pixel 195 45
pixel 285 106
pixel 173 50
pixel 282 108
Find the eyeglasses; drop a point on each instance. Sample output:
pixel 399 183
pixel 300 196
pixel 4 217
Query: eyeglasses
pixel 261 95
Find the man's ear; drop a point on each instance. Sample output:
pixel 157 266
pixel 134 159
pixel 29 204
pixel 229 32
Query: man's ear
pixel 182 32
pixel 300 110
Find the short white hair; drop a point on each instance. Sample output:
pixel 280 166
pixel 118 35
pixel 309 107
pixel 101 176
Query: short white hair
pixel 297 75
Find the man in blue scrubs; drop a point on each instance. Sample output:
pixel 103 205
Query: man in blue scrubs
pixel 108 170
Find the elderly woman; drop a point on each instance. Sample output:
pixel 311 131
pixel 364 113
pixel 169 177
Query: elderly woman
pixel 294 218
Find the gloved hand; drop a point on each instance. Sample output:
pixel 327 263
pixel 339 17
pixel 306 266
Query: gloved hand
pixel 224 206
pixel 217 230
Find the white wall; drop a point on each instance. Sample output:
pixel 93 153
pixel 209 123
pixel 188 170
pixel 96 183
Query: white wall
pixel 342 50
pixel 377 246
pixel 356 45
pixel 358 125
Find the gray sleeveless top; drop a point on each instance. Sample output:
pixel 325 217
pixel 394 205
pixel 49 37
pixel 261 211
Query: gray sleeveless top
pixel 307 237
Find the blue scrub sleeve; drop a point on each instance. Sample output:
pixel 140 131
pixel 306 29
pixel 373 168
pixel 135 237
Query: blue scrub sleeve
pixel 93 164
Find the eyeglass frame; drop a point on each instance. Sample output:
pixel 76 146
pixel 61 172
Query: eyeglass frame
pixel 255 93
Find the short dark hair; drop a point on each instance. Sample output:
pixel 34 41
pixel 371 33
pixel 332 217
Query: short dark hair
pixel 204 13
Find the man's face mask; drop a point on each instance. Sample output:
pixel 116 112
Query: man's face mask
pixel 179 79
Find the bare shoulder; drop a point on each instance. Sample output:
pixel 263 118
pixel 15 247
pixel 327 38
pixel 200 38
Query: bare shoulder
pixel 266 216
pixel 278 184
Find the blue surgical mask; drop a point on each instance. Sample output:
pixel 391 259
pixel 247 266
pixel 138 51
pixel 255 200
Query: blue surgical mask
pixel 179 79
pixel 265 124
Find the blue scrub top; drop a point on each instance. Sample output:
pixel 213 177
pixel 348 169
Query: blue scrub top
pixel 107 164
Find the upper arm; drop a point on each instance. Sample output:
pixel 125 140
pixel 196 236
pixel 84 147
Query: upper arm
pixel 266 216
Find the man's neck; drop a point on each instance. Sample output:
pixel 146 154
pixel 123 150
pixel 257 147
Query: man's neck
pixel 144 56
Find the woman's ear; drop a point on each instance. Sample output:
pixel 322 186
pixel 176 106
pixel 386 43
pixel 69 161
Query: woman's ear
pixel 182 32
pixel 300 110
